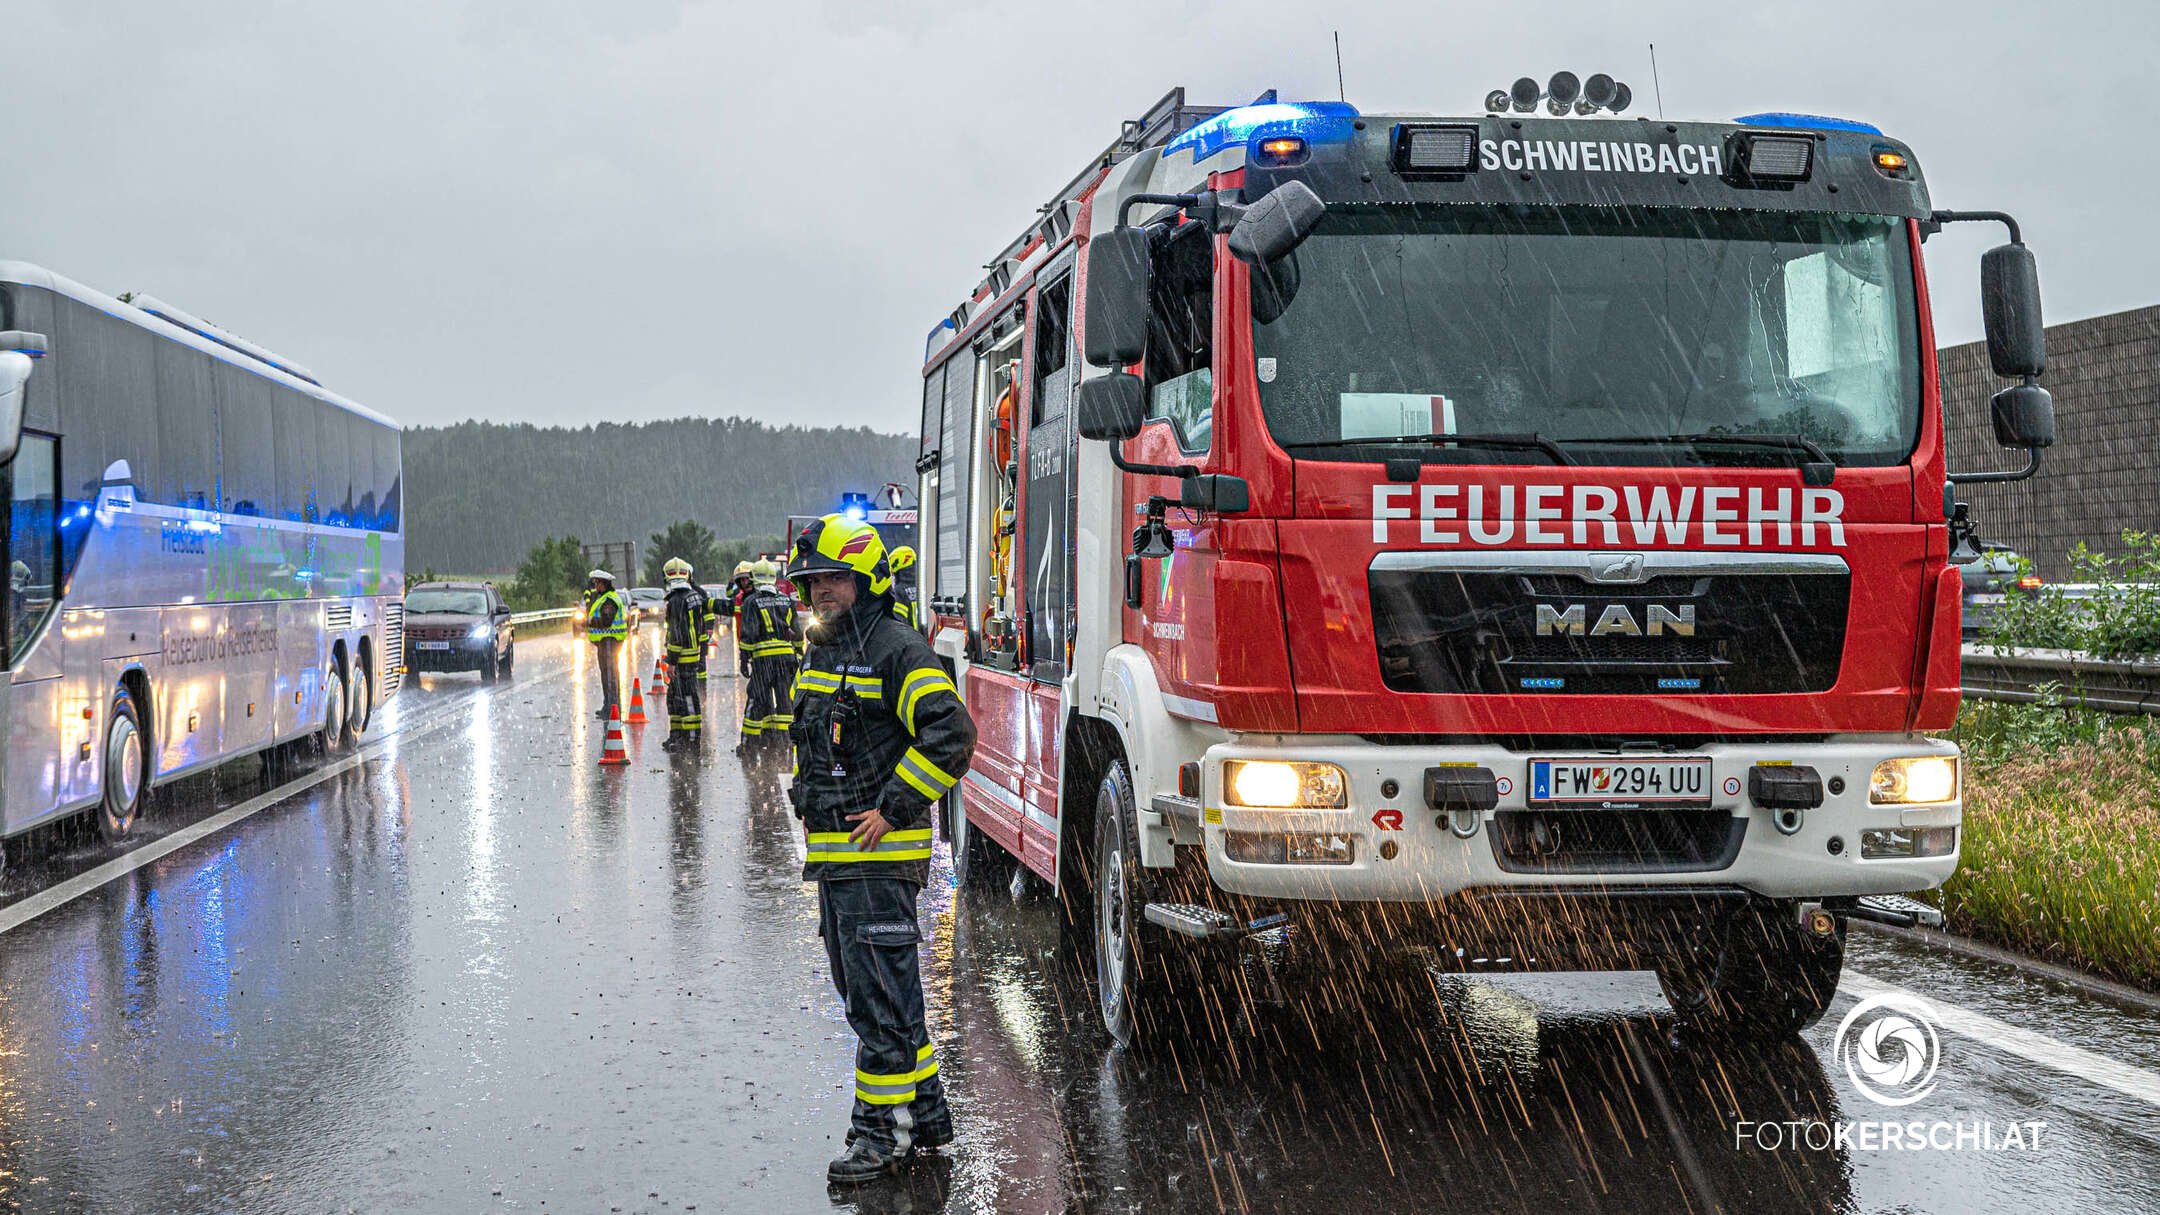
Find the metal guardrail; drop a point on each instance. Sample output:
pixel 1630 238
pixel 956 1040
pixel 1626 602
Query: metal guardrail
pixel 2009 673
pixel 537 617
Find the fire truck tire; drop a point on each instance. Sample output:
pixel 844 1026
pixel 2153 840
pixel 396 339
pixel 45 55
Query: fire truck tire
pixel 1767 979
pixel 1122 980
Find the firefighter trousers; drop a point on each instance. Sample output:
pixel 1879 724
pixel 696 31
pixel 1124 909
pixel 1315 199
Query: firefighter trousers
pixel 872 942
pixel 770 707
pixel 685 704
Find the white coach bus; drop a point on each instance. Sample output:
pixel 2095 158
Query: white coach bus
pixel 204 552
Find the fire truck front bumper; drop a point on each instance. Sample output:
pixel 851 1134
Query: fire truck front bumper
pixel 1853 815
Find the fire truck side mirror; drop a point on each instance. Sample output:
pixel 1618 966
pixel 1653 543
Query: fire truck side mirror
pixel 1274 227
pixel 2024 416
pixel 1120 274
pixel 2010 306
pixel 1111 407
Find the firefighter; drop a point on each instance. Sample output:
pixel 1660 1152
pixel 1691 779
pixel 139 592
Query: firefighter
pixel 766 637
pixel 685 647
pixel 880 736
pixel 902 562
pixel 740 587
pixel 607 622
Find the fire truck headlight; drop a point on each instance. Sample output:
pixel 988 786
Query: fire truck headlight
pixel 1914 780
pixel 1277 785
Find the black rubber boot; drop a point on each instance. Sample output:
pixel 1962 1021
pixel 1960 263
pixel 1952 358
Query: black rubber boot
pixel 928 1135
pixel 863 1161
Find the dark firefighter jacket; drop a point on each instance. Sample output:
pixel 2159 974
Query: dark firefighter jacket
pixel 903 741
pixel 687 612
pixel 765 624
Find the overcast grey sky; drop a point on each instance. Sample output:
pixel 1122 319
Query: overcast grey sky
pixel 562 211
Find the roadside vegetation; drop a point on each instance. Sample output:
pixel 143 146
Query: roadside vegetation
pixel 2119 619
pixel 2061 849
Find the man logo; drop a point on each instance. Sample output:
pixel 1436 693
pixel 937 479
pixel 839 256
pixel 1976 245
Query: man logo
pixel 1890 1049
pixel 1616 567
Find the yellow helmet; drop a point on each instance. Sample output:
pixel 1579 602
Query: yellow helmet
pixel 675 568
pixel 764 571
pixel 900 558
pixel 743 569
pixel 837 542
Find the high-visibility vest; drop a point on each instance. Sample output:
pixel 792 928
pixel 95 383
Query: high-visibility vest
pixel 612 632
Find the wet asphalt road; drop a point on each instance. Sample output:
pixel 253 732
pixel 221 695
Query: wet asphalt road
pixel 478 972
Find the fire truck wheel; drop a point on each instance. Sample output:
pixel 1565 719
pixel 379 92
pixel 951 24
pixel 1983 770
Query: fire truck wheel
pixel 1766 980
pixel 1120 895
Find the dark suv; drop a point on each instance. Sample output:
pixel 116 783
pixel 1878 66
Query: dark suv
pixel 458 626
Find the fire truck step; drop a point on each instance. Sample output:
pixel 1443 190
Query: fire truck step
pixel 1190 920
pixel 1201 923
pixel 1896 908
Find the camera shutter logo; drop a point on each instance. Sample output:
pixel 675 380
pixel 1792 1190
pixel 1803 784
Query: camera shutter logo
pixel 1890 1048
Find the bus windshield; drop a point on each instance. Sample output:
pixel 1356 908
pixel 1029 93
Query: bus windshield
pixel 1660 328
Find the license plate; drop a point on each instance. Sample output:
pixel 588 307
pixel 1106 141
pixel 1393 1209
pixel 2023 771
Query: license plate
pixel 1620 784
pixel 433 645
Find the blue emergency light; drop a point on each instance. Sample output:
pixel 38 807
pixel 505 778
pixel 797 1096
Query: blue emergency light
pixel 1807 122
pixel 1311 121
pixel 855 506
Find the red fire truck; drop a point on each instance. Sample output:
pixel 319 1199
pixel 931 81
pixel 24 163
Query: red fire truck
pixel 1524 535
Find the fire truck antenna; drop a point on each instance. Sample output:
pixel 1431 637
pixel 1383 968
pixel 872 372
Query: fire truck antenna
pixel 1341 94
pixel 1654 81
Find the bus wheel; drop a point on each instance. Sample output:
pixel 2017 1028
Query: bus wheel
pixel 126 775
pixel 332 737
pixel 361 703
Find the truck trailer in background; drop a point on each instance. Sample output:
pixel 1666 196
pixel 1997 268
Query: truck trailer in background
pixel 1527 537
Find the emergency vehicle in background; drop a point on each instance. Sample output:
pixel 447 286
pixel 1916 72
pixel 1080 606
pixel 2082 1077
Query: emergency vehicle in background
pixel 1525 536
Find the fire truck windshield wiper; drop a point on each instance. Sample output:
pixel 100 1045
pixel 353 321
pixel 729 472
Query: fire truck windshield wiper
pixel 1794 443
pixel 1505 442
pixel 1816 466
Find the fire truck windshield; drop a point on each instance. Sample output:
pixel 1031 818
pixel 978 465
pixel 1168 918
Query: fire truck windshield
pixel 1581 324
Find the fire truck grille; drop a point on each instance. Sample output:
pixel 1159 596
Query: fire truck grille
pixel 1494 631
pixel 1616 841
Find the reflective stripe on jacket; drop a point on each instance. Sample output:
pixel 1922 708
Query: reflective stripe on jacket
pixel 904 740
pixel 685 625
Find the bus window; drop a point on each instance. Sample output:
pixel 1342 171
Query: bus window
pixel 32 541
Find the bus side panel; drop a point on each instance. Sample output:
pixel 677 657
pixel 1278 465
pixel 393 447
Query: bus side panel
pixel 189 689
pixel 34 774
pixel 251 652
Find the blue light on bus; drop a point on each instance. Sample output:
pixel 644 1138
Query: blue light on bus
pixel 1807 122
pixel 1313 121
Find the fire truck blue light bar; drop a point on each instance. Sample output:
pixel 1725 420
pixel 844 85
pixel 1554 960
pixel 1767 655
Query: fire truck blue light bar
pixel 1313 121
pixel 1807 122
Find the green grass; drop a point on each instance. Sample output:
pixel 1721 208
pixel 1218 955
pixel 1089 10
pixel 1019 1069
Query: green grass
pixel 2061 849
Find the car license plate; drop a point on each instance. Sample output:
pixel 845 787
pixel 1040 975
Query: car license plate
pixel 1620 784
pixel 434 645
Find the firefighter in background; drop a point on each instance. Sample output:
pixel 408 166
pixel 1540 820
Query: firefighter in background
pixel 766 634
pixel 740 588
pixel 685 648
pixel 902 562
pixel 880 736
pixel 607 623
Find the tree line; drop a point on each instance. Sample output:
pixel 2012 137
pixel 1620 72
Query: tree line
pixel 481 496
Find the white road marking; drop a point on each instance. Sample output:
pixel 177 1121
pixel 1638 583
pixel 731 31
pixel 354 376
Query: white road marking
pixel 2024 1043
pixel 22 911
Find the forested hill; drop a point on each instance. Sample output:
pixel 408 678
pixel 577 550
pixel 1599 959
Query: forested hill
pixel 479 494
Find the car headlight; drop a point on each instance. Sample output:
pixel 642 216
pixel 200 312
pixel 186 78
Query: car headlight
pixel 1275 784
pixel 481 630
pixel 1914 779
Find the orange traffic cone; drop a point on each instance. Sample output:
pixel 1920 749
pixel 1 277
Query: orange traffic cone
pixel 637 705
pixel 659 673
pixel 613 751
